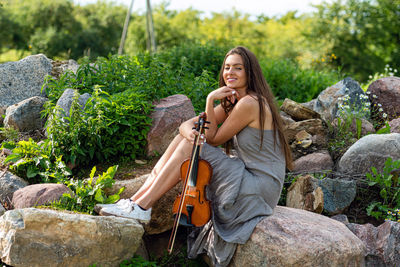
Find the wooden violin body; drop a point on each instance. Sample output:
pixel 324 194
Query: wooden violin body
pixel 196 208
pixel 191 207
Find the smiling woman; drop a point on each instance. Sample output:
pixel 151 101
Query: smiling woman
pixel 243 189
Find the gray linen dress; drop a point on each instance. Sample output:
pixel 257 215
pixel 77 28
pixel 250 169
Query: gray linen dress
pixel 242 191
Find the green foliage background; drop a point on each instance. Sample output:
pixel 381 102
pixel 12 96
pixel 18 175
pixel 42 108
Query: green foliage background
pixel 357 36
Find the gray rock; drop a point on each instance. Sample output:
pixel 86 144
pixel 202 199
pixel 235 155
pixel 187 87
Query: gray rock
pixel 317 161
pixel 25 116
pixel 385 92
pixel 370 151
pixel 338 194
pixel 167 116
pixel 327 101
pixel 40 237
pixel 66 99
pixel 294 237
pixel 23 79
pixel 395 125
pixel 298 111
pixel 38 194
pixel 59 67
pixel 382 243
pixel 9 183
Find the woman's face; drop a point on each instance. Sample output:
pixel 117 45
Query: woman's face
pixel 234 73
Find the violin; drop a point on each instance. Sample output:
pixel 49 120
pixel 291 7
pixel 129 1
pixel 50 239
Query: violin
pixel 191 207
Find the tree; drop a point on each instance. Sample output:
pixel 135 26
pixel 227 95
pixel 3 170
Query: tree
pixel 364 34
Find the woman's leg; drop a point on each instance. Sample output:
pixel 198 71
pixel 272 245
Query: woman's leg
pixel 158 167
pixel 166 177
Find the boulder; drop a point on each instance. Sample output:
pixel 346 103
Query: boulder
pixel 161 213
pixel 317 161
pixel 382 243
pixel 23 79
pixel 25 116
pixel 327 102
pixel 305 194
pixel 338 194
pixel 297 111
pixel 40 237
pixel 9 183
pixel 167 116
pixel 286 118
pixel 386 92
pixel 38 194
pixel 65 101
pixel 395 125
pixel 311 126
pixel 294 237
pixel 370 151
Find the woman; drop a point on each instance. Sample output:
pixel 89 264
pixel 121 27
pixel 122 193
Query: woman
pixel 243 189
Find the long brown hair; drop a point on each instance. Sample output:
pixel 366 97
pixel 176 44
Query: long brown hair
pixel 257 85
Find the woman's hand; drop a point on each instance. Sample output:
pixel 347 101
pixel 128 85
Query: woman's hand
pixel 223 92
pixel 187 131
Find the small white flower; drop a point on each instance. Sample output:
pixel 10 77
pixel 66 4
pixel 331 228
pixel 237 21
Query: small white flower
pixel 374 96
pixel 384 115
pixel 368 92
pixel 367 104
pixel 339 99
pixel 395 70
pixel 370 76
pixel 391 74
pixel 380 109
pixel 390 69
pixel 379 105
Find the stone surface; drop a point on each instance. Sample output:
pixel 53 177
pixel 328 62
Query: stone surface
pixel 297 111
pixel 9 183
pixel 161 213
pixel 395 125
pixel 38 237
pixel 371 150
pixel 167 116
pixel 25 115
pixel 385 91
pixel 328 100
pixel 317 161
pixel 286 118
pixel 382 243
pixel 38 194
pixel 338 194
pixel 305 194
pixel 311 126
pixel 23 79
pixel 294 237
pixel 66 99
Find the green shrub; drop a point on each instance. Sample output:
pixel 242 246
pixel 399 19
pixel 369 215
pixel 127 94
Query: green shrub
pixel 288 80
pixel 88 193
pixel 35 162
pixel 389 189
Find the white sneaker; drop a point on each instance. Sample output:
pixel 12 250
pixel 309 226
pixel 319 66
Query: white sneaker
pixel 126 208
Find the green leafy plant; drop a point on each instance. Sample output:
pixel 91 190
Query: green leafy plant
pixel 138 261
pixel 35 162
pixel 389 188
pixel 8 134
pixel 88 193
